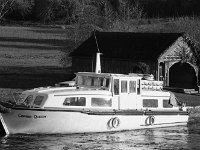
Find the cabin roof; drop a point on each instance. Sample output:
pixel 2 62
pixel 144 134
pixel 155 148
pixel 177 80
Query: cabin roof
pixel 94 74
pixel 81 91
pixel 126 45
pixel 66 91
pixel 108 75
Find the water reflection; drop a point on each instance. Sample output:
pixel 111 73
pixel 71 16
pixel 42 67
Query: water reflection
pixel 180 137
pixel 193 137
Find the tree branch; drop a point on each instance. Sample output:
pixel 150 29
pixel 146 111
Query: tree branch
pixel 5 7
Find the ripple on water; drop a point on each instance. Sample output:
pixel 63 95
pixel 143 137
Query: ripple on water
pixel 180 137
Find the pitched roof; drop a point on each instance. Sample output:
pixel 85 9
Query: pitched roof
pixel 127 45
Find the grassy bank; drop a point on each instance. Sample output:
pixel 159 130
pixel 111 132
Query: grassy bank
pixel 34 46
pixel 33 56
pixel 189 99
pixel 30 77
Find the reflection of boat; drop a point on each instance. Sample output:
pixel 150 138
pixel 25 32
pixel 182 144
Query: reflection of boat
pixel 99 102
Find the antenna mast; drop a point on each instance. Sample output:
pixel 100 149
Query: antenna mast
pixel 98 62
pixel 96 42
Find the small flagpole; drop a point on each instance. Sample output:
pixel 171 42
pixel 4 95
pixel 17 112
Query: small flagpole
pixel 98 61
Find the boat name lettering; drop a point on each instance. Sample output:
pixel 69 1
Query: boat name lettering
pixel 36 116
pixel 24 116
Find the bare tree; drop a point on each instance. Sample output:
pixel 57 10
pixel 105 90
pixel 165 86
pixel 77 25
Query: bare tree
pixel 5 6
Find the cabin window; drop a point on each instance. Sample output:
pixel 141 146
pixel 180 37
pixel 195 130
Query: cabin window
pixel 75 101
pixel 38 100
pixel 80 80
pixel 116 86
pixel 98 82
pixel 88 81
pixel 132 86
pixel 123 86
pixel 152 103
pixel 28 100
pixel 101 81
pixel 166 104
pixel 107 82
pixel 138 86
pixel 101 102
pixel 84 80
pixel 92 81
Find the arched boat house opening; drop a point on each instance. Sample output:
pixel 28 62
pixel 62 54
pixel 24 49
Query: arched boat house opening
pixel 170 57
pixel 182 75
pixel 178 66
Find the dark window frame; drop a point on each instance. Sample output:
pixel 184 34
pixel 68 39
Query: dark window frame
pixel 116 86
pixel 40 100
pixel 166 104
pixel 75 101
pixel 28 101
pixel 101 102
pixel 150 103
pixel 124 86
pixel 132 86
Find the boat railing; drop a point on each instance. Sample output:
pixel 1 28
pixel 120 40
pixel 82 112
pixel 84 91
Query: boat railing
pixel 17 96
pixel 151 85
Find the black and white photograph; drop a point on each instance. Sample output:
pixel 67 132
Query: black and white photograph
pixel 99 74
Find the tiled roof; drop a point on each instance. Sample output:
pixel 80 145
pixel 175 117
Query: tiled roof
pixel 126 45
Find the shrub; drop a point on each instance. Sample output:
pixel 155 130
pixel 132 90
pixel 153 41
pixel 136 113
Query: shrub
pixel 5 7
pixel 21 9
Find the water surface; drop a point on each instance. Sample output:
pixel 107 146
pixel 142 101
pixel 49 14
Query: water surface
pixel 170 138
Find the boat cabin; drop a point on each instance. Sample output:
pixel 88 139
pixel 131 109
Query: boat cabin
pixel 102 91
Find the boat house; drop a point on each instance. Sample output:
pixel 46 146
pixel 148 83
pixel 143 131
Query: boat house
pixel 170 57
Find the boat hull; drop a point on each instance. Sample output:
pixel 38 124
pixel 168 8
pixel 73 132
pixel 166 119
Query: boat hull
pixel 68 122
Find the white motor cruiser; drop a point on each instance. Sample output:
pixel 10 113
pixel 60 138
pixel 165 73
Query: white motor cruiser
pixel 98 102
